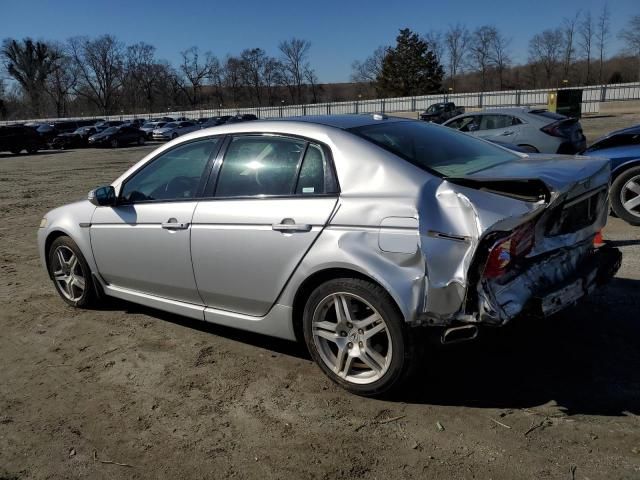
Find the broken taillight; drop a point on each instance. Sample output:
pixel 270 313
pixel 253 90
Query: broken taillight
pixel 506 250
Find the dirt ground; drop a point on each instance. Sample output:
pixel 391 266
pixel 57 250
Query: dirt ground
pixel 130 392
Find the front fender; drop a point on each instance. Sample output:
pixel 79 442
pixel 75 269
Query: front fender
pixel 74 221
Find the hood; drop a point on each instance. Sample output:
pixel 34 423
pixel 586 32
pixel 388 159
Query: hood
pixel 99 135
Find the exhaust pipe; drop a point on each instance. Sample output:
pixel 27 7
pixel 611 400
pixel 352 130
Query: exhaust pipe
pixel 459 334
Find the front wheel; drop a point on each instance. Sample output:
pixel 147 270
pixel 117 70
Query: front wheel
pixel 357 336
pixel 625 196
pixel 70 273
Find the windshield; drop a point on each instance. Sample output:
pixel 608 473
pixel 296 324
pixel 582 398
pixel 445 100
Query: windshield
pixel 436 107
pixel 433 148
pixel 111 130
pixel 171 125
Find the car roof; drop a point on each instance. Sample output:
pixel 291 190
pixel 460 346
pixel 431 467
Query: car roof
pixel 344 122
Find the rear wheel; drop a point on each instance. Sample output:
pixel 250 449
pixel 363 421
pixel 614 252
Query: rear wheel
pixel 354 332
pixel 625 196
pixel 70 273
pixel 16 151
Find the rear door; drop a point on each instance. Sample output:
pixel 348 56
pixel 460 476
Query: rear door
pixel 500 127
pixel 272 197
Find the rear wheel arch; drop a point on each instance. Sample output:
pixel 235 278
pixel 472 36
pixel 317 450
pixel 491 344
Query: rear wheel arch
pixel 318 278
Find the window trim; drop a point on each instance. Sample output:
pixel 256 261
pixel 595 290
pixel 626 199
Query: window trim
pixel 203 178
pixel 209 192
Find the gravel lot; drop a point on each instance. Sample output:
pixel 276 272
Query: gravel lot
pixel 129 392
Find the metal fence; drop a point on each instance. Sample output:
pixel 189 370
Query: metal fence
pixel 592 97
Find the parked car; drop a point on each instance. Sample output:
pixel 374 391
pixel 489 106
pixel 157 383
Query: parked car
pixel 149 127
pixel 119 136
pixel 622 148
pixel 173 130
pixel 536 130
pixel 101 126
pixel 16 138
pixel 351 233
pixel 76 139
pixel 245 117
pixel 441 112
pixel 215 121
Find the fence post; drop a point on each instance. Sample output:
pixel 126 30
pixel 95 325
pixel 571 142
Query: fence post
pixel 480 100
pixel 383 105
pixel 356 107
pixel 603 93
pixel 518 98
pixel 413 104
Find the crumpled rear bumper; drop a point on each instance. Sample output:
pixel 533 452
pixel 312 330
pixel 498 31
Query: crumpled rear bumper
pixel 547 285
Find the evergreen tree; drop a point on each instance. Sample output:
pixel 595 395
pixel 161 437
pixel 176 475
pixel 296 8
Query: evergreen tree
pixel 410 68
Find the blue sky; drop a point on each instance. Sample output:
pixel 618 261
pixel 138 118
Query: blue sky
pixel 339 31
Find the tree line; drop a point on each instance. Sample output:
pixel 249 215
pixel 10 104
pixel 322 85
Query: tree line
pixel 102 75
pixel 576 52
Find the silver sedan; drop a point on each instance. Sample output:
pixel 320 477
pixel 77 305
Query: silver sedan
pixel 352 234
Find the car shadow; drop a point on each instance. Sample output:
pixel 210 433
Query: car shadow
pixel 27 155
pixel 586 360
pixel 623 243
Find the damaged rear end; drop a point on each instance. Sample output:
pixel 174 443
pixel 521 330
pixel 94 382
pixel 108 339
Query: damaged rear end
pixel 515 239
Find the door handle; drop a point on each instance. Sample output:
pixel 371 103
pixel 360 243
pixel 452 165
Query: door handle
pixel 172 224
pixel 289 225
pixel 507 132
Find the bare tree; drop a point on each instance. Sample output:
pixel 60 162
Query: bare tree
pixel 499 55
pixel 232 78
pixel 252 71
pixel 196 69
pixel 602 37
pixel 586 32
pixel 271 78
pixel 435 39
pixel 312 79
pixel 369 70
pixel 545 49
pixel 62 80
pixel 29 63
pixel 100 64
pixel 569 27
pixel 631 37
pixel 456 40
pixel 295 53
pixel 142 73
pixel 480 49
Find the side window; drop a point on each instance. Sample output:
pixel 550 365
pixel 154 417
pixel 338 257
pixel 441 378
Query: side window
pixel 468 124
pixel 259 165
pixel 516 121
pixel 491 122
pixel 316 176
pixel 174 175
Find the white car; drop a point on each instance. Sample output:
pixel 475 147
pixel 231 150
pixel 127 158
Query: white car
pixel 174 129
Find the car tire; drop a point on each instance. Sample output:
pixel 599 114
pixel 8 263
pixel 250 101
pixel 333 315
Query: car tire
pixel 621 193
pixel 16 151
pixel 32 150
pixel 114 143
pixel 70 273
pixel 141 140
pixel 364 356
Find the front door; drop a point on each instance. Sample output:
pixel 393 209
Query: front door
pixel 143 243
pixel 274 196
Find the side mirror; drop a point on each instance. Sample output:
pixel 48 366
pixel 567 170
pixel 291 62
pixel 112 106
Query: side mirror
pixel 103 196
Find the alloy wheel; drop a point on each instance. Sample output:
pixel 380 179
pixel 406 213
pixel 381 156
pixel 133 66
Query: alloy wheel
pixel 68 273
pixel 352 338
pixel 630 196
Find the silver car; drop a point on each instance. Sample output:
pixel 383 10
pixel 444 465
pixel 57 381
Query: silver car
pixel 352 233
pixel 531 129
pixel 172 130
